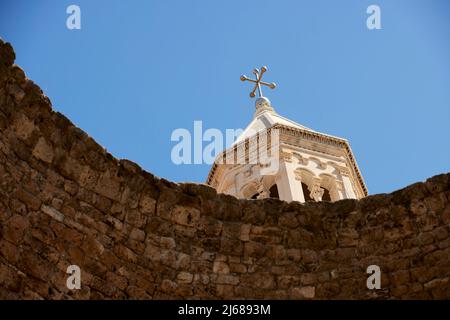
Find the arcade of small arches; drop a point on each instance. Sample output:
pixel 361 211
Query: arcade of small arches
pixel 324 187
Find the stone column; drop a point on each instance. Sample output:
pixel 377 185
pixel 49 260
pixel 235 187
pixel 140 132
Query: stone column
pixel 289 188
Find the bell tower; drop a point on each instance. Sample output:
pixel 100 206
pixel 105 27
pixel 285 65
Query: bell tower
pixel 310 165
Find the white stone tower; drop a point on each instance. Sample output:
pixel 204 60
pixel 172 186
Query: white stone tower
pixel 312 166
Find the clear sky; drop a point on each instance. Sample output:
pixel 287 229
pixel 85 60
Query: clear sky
pixel 137 70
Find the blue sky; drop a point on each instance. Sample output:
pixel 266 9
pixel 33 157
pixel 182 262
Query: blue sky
pixel 137 70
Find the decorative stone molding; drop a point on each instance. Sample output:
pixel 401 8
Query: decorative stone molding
pixel 344 171
pixel 320 164
pixel 325 139
pixel 329 182
pixel 300 159
pixel 316 192
pixel 286 135
pixel 286 156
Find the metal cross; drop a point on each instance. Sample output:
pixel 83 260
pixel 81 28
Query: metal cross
pixel 258 74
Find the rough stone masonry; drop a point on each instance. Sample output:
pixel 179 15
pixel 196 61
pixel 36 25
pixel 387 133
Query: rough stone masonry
pixel 65 201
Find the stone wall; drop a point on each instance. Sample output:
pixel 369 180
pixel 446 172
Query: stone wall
pixel 65 201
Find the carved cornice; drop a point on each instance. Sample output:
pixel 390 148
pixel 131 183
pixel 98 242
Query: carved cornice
pixel 301 160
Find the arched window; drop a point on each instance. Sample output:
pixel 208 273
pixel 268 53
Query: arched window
pixel 306 192
pixel 326 195
pixel 273 192
pixel 328 184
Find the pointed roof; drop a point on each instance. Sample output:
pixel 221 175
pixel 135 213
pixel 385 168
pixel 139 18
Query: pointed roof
pixel 266 117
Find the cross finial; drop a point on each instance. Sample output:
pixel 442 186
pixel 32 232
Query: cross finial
pixel 258 74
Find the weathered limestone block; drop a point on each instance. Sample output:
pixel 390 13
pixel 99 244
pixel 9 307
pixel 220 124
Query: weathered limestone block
pixel 22 126
pixel 15 228
pixel 147 205
pixel 43 151
pixel 185 216
pixel 184 277
pixel 108 185
pixel 221 267
pixel 303 293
